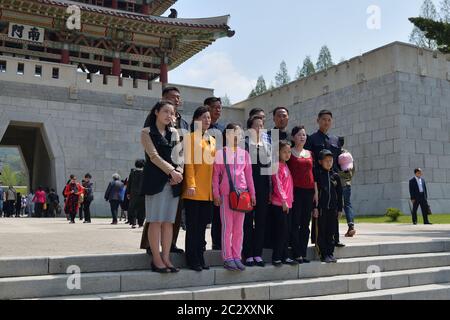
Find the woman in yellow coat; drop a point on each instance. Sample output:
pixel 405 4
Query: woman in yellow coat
pixel 197 192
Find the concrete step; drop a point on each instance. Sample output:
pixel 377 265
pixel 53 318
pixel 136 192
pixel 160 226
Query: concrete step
pixel 125 281
pixel 347 287
pixel 17 267
pixel 439 291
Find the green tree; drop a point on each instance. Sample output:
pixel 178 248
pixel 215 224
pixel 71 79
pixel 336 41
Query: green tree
pixel 282 77
pixel 418 35
pixel 307 69
pixel 324 61
pixel 438 32
pixel 8 177
pixel 226 102
pixel 260 87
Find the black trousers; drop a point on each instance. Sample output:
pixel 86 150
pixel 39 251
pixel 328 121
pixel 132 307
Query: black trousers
pixel 300 220
pixel 255 228
pixel 281 233
pixel 136 210
pixel 87 210
pixel 114 204
pixel 424 207
pixel 80 211
pixel 198 215
pixel 216 229
pixel 327 229
pixel 38 208
pixel 270 229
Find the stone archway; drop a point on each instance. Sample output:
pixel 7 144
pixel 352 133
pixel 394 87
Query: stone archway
pixel 36 137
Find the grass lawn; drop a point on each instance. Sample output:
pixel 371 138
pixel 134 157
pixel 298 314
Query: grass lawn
pixel 435 219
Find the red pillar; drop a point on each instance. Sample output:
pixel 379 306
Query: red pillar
pixel 164 72
pixel 116 67
pixel 65 56
pixel 145 8
pixel 114 4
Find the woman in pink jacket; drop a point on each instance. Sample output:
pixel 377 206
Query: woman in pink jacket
pixel 282 199
pixel 239 163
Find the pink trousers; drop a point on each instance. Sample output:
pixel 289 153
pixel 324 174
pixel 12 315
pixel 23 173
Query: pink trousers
pixel 232 231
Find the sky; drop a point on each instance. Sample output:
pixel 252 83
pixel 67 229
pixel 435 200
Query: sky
pixel 269 31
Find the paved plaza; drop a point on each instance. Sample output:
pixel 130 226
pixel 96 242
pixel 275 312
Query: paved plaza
pixel 25 237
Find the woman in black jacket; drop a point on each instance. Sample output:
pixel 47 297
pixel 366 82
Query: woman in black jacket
pixel 163 174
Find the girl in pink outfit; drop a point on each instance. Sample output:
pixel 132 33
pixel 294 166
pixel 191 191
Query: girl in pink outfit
pixel 282 199
pixel 239 163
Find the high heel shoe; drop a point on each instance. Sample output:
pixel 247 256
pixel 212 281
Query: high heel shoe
pixel 173 270
pixel 159 270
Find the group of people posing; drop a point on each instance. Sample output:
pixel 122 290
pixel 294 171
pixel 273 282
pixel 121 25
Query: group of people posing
pixel 259 189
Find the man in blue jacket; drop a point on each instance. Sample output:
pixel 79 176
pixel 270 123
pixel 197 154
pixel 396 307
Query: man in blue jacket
pixel 419 196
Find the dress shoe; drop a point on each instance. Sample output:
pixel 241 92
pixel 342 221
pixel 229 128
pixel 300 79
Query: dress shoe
pixel 249 263
pixel 260 264
pixel 290 262
pixel 205 267
pixel 175 249
pixel 428 223
pixel 339 245
pixel 196 268
pixel 159 270
pixel 277 263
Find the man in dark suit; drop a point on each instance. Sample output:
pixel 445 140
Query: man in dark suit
pixel 419 196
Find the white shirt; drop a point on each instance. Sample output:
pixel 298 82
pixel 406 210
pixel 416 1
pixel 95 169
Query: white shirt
pixel 420 184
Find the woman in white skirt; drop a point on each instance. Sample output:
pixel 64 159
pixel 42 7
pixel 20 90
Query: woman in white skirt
pixel 163 175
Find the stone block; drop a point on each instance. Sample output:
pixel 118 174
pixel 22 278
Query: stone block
pixel 250 292
pixel 388 280
pixel 411 247
pixel 18 267
pixel 56 285
pixel 147 280
pixel 431 276
pixel 269 273
pixel 386 147
pixel 318 269
pixel 308 288
pixel 150 295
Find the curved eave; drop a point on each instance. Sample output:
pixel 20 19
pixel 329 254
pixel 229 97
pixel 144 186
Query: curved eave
pixel 218 23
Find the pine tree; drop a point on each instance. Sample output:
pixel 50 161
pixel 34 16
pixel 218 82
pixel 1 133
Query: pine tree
pixel 445 11
pixel 271 87
pixel 324 61
pixel 307 69
pixel 436 31
pixel 226 102
pixel 260 86
pixel 282 77
pixel 418 37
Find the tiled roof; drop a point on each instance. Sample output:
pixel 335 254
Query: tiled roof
pixel 207 23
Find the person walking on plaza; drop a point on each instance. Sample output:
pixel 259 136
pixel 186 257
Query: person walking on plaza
pixel 216 128
pixel 39 200
pixel 88 186
pixel 260 152
pixel 53 204
pixel 328 210
pixel 301 165
pixel 124 202
pixel 30 204
pixel 136 208
pixel 163 175
pixel 232 168
pixel 11 196
pixel 319 141
pixel 73 192
pixel 172 95
pixel 200 149
pixel 346 172
pixel 113 196
pixel 18 205
pixel 419 196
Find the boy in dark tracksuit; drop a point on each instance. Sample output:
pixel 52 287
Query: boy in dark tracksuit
pixel 329 208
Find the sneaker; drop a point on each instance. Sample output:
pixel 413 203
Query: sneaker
pixel 230 265
pixel 328 259
pixel 239 264
pixel 290 262
pixel 333 259
pixel 277 263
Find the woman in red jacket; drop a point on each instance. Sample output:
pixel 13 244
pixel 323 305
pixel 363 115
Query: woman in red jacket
pixel 73 192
